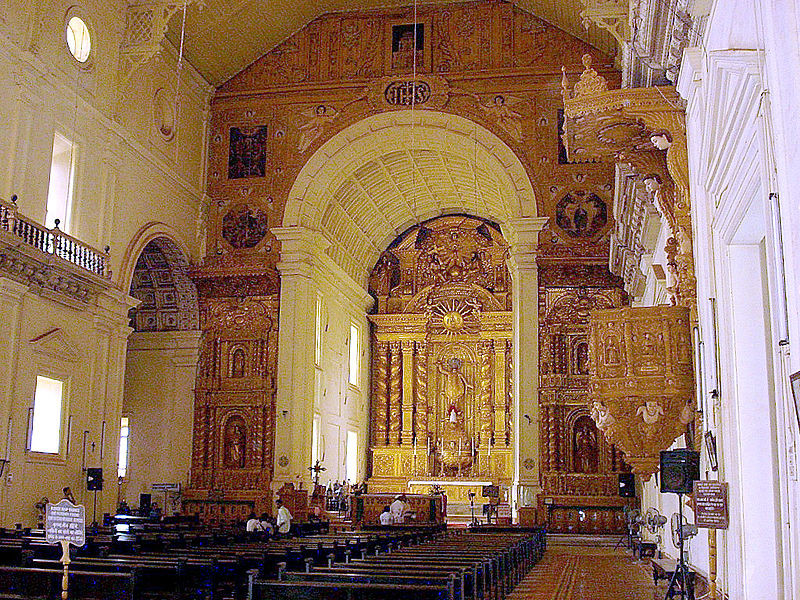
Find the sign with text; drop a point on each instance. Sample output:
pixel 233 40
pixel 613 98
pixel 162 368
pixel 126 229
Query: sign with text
pixel 711 504
pixel 65 522
pixel 166 487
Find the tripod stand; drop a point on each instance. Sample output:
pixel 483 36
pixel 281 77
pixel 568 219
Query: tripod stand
pixel 682 573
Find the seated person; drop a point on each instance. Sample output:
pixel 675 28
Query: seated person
pixel 386 517
pixel 253 523
pixel 267 525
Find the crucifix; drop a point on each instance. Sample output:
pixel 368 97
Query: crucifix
pixel 317 469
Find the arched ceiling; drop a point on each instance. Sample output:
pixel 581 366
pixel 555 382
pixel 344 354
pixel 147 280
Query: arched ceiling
pixel 225 36
pixel 361 192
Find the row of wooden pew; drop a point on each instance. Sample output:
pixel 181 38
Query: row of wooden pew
pixel 462 565
pixel 209 571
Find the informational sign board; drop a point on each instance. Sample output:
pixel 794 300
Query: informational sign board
pixel 711 504
pixel 503 511
pixel 166 487
pixel 65 522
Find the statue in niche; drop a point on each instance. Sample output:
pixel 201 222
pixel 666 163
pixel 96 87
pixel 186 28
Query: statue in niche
pixel 234 444
pixel 386 275
pixel 454 387
pixel 582 359
pixel 611 350
pixel 584 446
pixel 237 360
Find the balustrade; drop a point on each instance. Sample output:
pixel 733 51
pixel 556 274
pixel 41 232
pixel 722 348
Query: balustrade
pixel 53 241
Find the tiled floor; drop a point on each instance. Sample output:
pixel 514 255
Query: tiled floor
pixel 581 573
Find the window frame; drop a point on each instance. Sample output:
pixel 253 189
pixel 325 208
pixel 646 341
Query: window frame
pixel 64 430
pixel 354 337
pixel 127 447
pixel 66 223
pixel 78 11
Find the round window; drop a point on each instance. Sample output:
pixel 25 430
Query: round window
pixel 78 40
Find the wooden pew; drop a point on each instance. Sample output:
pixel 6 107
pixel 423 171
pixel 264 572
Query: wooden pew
pixel 22 583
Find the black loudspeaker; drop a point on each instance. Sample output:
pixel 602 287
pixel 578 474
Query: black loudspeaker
pixel 627 485
pixel 679 470
pixel 145 503
pixel 94 479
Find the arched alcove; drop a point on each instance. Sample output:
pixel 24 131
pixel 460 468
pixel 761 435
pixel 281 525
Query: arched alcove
pixel 161 362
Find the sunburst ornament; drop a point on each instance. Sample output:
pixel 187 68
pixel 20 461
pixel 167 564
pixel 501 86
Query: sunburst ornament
pixel 452 316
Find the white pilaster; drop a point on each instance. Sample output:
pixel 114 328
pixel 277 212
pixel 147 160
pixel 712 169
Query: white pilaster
pixel 301 250
pixel 525 286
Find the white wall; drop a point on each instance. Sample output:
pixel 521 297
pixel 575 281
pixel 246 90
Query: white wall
pixel 131 182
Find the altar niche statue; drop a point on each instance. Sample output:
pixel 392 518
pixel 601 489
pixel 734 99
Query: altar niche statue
pixel 238 359
pixel 455 385
pixel 234 442
pixel 585 446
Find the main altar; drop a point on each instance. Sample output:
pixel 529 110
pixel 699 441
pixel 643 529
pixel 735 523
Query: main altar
pixel 440 410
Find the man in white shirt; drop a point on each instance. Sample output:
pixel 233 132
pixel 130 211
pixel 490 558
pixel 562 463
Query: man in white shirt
pixel 284 519
pixel 253 524
pixel 399 509
pixel 386 517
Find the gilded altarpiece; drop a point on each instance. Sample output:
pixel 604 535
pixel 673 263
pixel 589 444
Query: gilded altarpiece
pixel 234 412
pixel 579 466
pixel 440 406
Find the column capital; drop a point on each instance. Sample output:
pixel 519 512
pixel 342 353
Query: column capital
pixel 12 290
pixel 301 248
pixel 524 240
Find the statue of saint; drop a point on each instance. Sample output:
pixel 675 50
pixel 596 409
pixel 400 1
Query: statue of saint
pixel 234 445
pixel 455 385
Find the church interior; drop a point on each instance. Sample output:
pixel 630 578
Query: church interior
pixel 527 267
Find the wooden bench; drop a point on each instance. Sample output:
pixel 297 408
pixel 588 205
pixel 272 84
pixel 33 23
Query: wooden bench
pixel 18 583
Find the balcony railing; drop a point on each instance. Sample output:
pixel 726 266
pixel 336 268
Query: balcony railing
pixel 53 241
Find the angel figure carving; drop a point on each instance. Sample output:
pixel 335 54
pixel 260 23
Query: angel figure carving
pixel 319 118
pixel 507 119
pixel 651 412
pixel 602 416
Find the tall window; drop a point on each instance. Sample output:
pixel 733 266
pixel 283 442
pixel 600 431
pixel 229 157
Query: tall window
pixel 315 439
pixel 59 195
pixel 351 466
pixel 47 408
pixel 124 434
pixel 355 354
pixel 318 331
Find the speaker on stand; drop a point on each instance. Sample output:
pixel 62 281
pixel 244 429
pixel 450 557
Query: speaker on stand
pixel 94 483
pixel 679 470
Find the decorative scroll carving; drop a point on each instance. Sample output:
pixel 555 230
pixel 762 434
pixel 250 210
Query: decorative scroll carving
pixel 611 15
pixel 642 384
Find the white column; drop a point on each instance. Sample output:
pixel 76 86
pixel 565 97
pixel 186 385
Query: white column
pixel 525 287
pixel 12 296
pixel 301 250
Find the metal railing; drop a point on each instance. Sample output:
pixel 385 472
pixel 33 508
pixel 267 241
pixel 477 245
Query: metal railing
pixel 53 241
